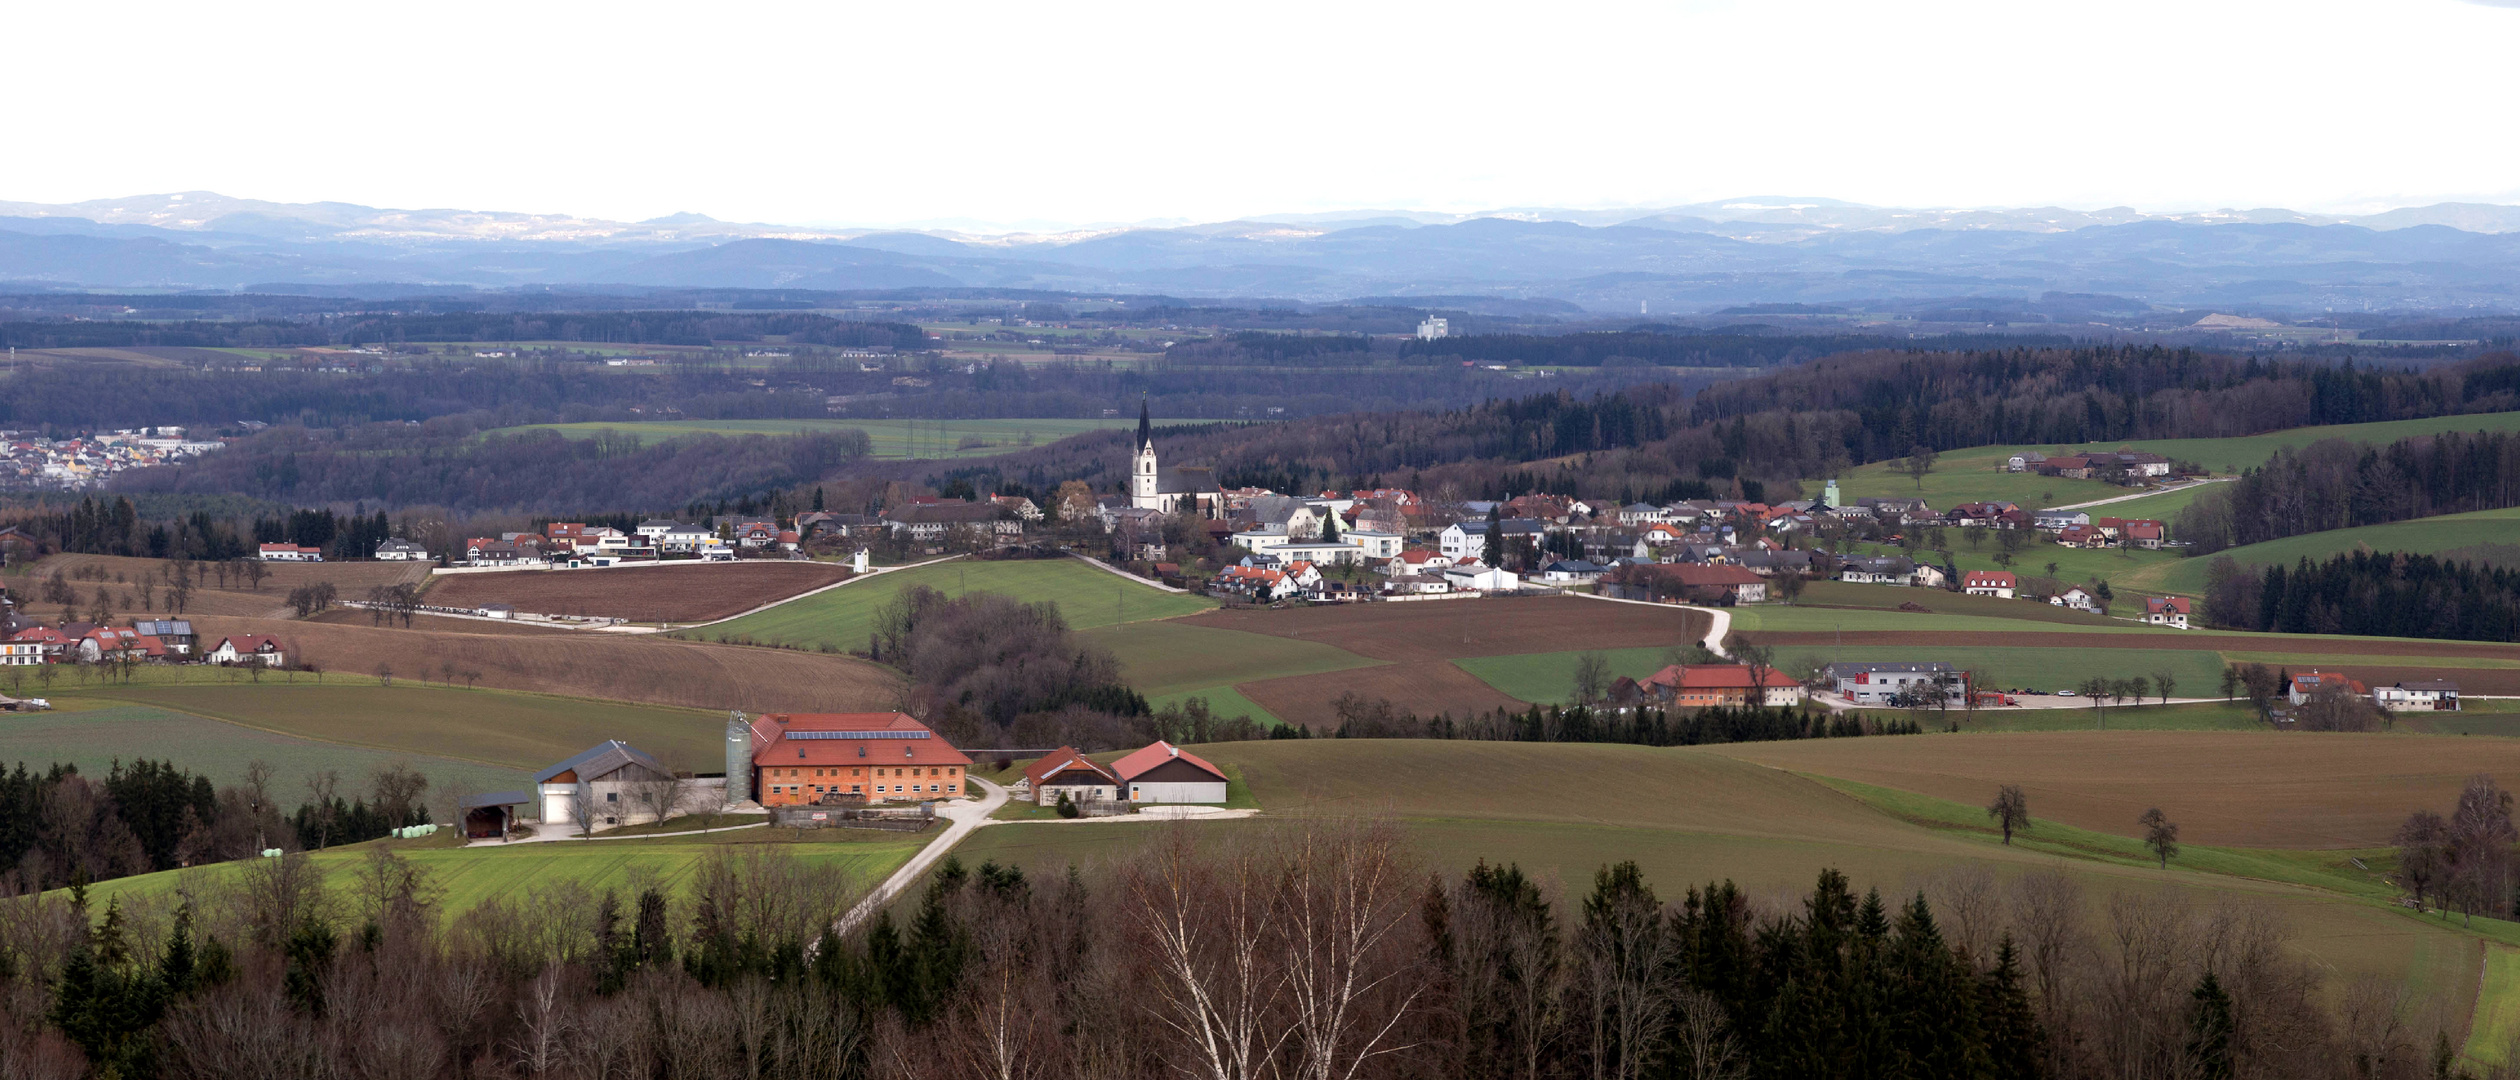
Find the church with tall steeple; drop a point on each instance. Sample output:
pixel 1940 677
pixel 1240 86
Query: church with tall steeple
pixel 1177 490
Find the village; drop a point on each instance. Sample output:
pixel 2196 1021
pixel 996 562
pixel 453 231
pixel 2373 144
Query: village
pixel 30 461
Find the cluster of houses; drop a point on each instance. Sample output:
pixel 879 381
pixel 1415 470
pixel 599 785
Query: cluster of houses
pixel 33 461
pixel 2426 695
pixel 151 641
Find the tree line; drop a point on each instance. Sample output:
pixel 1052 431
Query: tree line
pixel 2335 484
pixel 1319 948
pixel 1361 717
pixel 2384 593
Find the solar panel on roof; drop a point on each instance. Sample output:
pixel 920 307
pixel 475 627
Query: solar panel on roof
pixel 857 734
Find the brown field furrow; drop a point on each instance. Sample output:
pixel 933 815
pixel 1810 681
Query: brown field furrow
pixel 1424 687
pixel 2167 640
pixel 2251 789
pixel 1453 629
pixel 622 667
pixel 438 623
pixel 689 593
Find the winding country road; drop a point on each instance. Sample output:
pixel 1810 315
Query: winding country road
pixel 967 818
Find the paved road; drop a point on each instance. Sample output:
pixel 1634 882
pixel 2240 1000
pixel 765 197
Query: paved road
pixel 2148 494
pixel 967 818
pixel 1716 630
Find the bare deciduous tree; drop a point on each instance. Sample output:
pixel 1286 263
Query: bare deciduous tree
pixel 2011 811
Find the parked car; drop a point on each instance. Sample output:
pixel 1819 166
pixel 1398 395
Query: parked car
pixel 2064 693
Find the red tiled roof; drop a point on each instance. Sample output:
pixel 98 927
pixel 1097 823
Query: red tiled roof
pixel 893 739
pixel 2154 605
pixel 1061 760
pixel 1157 753
pixel 1715 677
pixel 1989 579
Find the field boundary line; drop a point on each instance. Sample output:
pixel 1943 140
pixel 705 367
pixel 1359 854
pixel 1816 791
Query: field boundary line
pixel 871 574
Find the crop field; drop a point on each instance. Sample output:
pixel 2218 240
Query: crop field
pixel 471 875
pixel 686 592
pixel 1424 687
pixel 904 438
pixel 621 667
pixel 843 619
pixel 95 738
pixel 2258 789
pixel 1453 629
pixel 1170 661
pixel 520 731
pixel 122 577
pixel 2186 577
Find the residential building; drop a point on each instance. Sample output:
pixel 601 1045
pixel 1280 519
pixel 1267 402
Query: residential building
pixel 1866 683
pixel 2166 611
pixel 1468 539
pixel 1879 570
pixel 610 784
pixel 176 633
pixel 2309 683
pixel 1067 772
pixel 1164 773
pixel 1477 578
pixel 248 649
pixel 17 652
pixel 1433 329
pixel 2148 535
pixel 1572 572
pixel 2082 536
pixel 2077 599
pixel 800 758
pixel 289 553
pixel 1996 583
pixel 2431 694
pixel 2025 461
pixel 1693 582
pixel 929 523
pixel 401 551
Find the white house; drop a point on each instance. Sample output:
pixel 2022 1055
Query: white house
pixel 1376 545
pixel 401 551
pixel 1996 583
pixel 290 553
pixel 2435 694
pixel 2076 599
pixel 609 785
pixel 1468 539
pixel 2166 611
pixel 248 649
pixel 1481 579
pixel 1880 683
pixel 1878 570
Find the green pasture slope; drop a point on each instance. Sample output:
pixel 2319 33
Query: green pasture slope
pixel 843 618
pixel 2421 536
pixel 469 876
pixel 97 736
pixel 892 438
pixel 1976 474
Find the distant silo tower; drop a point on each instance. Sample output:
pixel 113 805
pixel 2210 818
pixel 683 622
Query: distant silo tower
pixel 738 759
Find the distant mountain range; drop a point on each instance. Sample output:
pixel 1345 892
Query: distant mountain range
pixel 1763 250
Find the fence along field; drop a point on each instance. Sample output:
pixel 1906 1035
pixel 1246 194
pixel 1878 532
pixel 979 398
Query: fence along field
pixel 684 592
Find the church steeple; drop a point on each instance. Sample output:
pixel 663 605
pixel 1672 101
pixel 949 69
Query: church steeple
pixel 1145 428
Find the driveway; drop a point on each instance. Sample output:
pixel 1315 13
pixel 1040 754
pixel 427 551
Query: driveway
pixel 2163 490
pixel 966 817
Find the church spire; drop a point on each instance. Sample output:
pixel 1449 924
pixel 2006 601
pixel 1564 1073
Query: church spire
pixel 1145 428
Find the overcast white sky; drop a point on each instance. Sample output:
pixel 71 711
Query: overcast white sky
pixel 1040 114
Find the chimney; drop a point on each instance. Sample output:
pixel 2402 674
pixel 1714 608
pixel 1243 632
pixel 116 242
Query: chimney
pixel 1174 750
pixel 779 717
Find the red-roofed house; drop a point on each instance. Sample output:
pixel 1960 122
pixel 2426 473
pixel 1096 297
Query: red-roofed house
pixel 1998 583
pixel 290 553
pixel 248 649
pixel 2309 683
pixel 1690 686
pixel 2166 611
pixel 45 645
pixel 1691 581
pixel 1164 773
pixel 1420 561
pixel 800 758
pixel 1066 772
pixel 2081 536
pixel 2143 534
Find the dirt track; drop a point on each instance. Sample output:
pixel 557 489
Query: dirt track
pixel 1455 629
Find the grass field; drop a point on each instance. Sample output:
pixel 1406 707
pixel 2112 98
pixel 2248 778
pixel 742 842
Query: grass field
pixel 1168 657
pixel 844 618
pixel 2186 577
pixel 94 738
pixel 470 875
pixel 892 438
pixel 495 727
pixel 2496 1033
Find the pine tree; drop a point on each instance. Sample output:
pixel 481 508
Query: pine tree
pixel 2209 1030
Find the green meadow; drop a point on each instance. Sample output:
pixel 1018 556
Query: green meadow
pixel 843 619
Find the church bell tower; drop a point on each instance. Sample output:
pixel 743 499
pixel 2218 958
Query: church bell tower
pixel 1142 493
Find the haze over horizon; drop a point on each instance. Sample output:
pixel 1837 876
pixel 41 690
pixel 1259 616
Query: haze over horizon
pixel 894 117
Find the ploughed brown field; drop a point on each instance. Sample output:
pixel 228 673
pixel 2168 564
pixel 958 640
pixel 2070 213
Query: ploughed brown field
pixel 2248 789
pixel 624 667
pixel 690 592
pixel 1454 629
pixel 359 617
pixel 351 580
pixel 1421 686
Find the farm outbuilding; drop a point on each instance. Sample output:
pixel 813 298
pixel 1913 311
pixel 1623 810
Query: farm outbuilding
pixel 492 814
pixel 611 784
pixel 1164 773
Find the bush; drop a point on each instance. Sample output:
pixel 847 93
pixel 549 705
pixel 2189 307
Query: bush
pixel 1067 807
